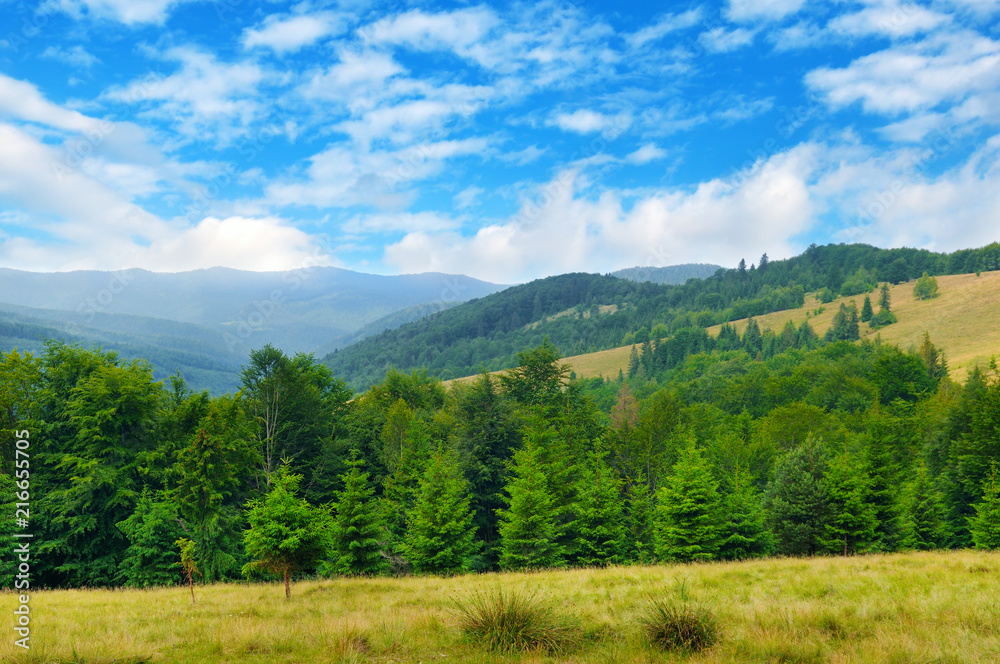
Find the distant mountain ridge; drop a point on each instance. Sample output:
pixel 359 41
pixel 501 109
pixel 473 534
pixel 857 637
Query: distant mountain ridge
pixel 673 275
pixel 217 315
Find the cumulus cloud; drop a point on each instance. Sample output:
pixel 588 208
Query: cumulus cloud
pixel 585 121
pixel 762 10
pixel 286 34
pixel 721 40
pixel 645 154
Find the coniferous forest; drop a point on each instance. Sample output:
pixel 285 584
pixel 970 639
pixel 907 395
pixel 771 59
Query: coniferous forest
pixel 769 443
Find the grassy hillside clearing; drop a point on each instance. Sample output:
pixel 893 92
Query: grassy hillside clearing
pixel 919 607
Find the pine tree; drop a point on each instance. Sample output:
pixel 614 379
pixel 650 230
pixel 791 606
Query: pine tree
pixel 884 298
pixel 357 528
pixel 286 533
pixel 151 531
pixel 850 524
pixel 400 489
pixel 745 534
pixel 884 476
pixel 795 500
pixel 600 530
pixel 752 341
pixel 528 527
pixel 633 362
pixel 985 525
pixel 640 521
pixel 923 519
pixel 866 310
pixel 440 535
pixel 688 522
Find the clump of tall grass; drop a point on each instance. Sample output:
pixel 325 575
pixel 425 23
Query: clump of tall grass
pixel 515 621
pixel 684 625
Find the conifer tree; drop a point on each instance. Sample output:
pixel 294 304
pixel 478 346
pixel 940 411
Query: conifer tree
pixel 923 519
pixel 640 521
pixel 688 521
pixel 440 535
pixel 985 525
pixel 752 341
pixel 633 362
pixel 745 535
pixel 795 500
pixel 357 527
pixel 600 530
pixel 884 476
pixel 866 310
pixel 400 489
pixel 884 299
pixel 850 525
pixel 528 527
pixel 151 530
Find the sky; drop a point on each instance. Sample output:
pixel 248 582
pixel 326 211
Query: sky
pixel 503 141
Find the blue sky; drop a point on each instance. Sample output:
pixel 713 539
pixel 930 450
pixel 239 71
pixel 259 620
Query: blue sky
pixel 504 141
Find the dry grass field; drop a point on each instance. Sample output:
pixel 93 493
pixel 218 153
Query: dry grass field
pixel 901 608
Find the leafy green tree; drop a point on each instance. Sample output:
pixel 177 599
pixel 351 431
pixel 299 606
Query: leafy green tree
pixel 851 520
pixel 866 310
pixel 923 520
pixel 286 534
pixel 357 526
pixel 529 525
pixel 151 530
pixel 440 535
pixel 689 523
pixel 745 533
pixel 187 563
pixel 925 288
pixel 539 377
pixel 985 525
pixel 795 500
pixel 600 529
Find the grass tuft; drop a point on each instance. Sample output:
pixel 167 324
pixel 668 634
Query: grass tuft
pixel 515 621
pixel 672 625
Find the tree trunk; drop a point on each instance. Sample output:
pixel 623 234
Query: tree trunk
pixel 288 588
pixel 191 583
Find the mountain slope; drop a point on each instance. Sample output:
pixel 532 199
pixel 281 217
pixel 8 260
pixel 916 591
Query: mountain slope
pixel 672 274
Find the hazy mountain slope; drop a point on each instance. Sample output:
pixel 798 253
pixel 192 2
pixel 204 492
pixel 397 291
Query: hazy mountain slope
pixel 672 274
pixel 308 310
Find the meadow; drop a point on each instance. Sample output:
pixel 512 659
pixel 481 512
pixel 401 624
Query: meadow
pixel 909 608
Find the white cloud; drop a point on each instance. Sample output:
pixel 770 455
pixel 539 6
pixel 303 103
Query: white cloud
pixel 665 25
pixel 22 101
pixel 585 121
pixel 719 221
pixel 893 20
pixel 940 69
pixel 204 98
pixel 528 155
pixel 129 12
pixel 76 56
pixel 467 197
pixel 762 10
pixel 721 40
pixel 284 34
pixel 419 30
pixel 647 153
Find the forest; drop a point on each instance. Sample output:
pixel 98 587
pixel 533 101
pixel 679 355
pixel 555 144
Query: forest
pixel 488 333
pixel 766 444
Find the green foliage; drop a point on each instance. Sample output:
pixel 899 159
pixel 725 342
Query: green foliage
pixel 187 564
pixel 851 515
pixel 866 310
pixel 286 534
pixel 440 536
pixel 512 621
pixel 845 325
pixel 925 288
pixel 151 530
pixel 689 523
pixel 923 519
pixel 357 526
pixel 528 527
pixel 601 537
pixel 796 500
pixel 745 534
pixel 685 626
pixel 985 525
pixel 640 522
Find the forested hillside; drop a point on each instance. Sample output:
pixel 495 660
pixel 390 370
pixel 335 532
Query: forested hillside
pixel 601 312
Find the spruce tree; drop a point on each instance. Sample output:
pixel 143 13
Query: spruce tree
pixel 440 534
pixel 752 340
pixel 400 489
pixel 795 500
pixel 884 299
pixel 745 535
pixel 151 530
pixel 357 527
pixel 866 310
pixel 923 519
pixel 850 524
pixel 985 525
pixel 600 530
pixel 640 521
pixel 528 527
pixel 884 476
pixel 688 523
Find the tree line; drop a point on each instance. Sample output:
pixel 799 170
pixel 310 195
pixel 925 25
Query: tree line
pixel 817 447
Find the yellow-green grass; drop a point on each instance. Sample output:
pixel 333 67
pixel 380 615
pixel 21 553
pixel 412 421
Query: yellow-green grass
pixel 916 607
